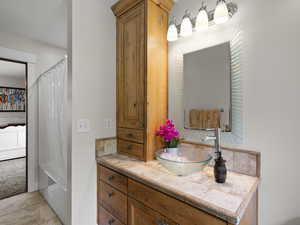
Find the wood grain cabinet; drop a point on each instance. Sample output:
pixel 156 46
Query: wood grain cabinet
pixel 139 214
pixel 105 218
pixel 142 74
pixel 172 208
pixel 113 201
pixel 124 201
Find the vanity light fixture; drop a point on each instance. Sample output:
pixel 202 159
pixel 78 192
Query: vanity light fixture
pixel 186 28
pixel 172 31
pixel 202 19
pixel 221 14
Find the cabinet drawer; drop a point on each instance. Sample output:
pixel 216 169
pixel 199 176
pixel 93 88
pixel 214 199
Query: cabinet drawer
pixel 116 180
pixel 131 149
pixel 105 218
pixel 113 201
pixel 131 135
pixel 139 214
pixel 172 208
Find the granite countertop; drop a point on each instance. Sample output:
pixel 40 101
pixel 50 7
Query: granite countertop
pixel 226 201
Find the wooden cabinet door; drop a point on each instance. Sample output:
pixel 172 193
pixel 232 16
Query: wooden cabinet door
pixel 138 214
pixel 131 68
pixel 171 208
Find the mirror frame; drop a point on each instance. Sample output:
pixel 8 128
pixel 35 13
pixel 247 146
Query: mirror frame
pixel 176 78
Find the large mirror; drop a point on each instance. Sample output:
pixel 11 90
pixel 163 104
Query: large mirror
pixel 207 88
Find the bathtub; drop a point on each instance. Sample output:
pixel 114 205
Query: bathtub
pixel 12 142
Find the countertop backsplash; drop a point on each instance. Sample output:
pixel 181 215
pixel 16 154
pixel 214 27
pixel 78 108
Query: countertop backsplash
pixel 239 161
pixel 106 146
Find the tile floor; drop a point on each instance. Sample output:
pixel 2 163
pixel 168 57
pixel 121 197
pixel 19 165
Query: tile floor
pixel 12 177
pixel 27 209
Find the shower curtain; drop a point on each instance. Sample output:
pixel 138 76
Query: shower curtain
pixel 52 97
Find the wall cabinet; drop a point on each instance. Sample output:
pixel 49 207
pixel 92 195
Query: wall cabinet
pixel 131 73
pixel 142 74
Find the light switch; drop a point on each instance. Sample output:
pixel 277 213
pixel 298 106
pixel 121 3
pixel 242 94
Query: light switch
pixel 83 125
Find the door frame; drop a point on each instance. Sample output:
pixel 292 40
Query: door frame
pixel 26 112
pixel 31 134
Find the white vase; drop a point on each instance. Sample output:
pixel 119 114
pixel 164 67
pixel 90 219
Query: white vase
pixel 172 150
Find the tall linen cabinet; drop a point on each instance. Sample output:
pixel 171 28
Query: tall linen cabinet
pixel 142 75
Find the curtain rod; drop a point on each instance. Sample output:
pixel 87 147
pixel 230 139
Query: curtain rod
pixel 52 67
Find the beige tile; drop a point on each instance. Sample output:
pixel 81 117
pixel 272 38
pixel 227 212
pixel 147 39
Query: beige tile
pixel 18 202
pixel 105 146
pixel 99 145
pixel 228 156
pixel 245 163
pixel 35 214
pixel 27 209
pixel 54 221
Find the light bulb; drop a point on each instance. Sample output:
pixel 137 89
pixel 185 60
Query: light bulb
pixel 221 14
pixel 202 20
pixel 172 33
pixel 186 28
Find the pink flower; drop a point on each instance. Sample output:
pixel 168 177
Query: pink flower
pixel 168 132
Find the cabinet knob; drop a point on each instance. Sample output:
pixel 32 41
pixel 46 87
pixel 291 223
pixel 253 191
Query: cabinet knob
pixel 110 194
pixel 111 221
pixel 111 177
pixel 160 222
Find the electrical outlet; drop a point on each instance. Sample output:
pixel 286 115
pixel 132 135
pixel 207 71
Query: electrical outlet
pixel 108 123
pixel 83 126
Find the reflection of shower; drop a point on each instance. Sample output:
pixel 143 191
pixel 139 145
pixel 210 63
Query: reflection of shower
pixel 52 99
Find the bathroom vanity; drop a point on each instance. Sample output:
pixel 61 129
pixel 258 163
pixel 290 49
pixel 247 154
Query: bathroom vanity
pixel 133 192
pixel 202 92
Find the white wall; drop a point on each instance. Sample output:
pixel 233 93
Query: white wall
pixel 46 56
pixel 93 97
pixel 271 98
pixel 13 81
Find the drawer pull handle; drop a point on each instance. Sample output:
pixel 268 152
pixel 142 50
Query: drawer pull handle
pixel 111 221
pixel 111 177
pixel 129 147
pixel 110 194
pixel 130 135
pixel 161 223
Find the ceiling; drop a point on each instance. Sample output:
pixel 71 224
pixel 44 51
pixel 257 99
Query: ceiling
pixel 42 20
pixel 12 69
